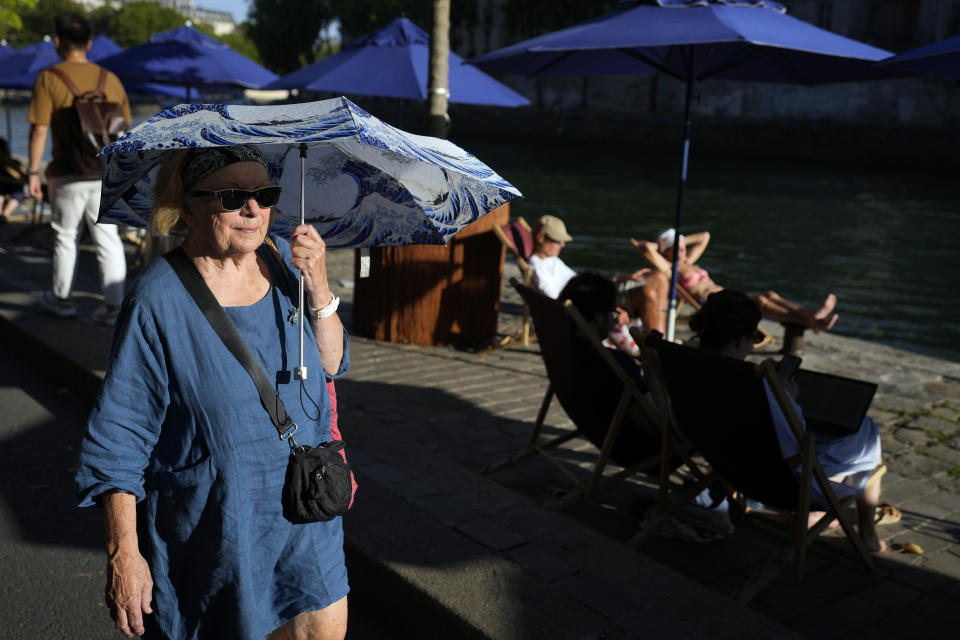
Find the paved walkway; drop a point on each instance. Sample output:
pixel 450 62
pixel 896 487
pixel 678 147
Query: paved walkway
pixel 420 420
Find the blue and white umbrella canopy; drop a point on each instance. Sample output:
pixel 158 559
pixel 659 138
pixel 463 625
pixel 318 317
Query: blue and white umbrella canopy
pixel 366 183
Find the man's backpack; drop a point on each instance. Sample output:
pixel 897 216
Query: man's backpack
pixel 88 126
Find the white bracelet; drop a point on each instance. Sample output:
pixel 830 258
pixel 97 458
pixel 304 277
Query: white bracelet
pixel 327 311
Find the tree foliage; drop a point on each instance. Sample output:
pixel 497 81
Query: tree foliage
pixel 359 18
pixel 10 21
pixel 134 22
pixel 287 31
pixel 37 20
pixel 240 42
pixel 530 18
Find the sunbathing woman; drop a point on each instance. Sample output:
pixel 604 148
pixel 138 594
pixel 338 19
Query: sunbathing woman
pixel 698 283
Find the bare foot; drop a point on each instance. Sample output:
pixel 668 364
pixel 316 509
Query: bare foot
pixel 824 309
pixel 825 324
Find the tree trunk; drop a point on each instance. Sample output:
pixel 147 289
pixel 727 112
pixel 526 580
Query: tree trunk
pixel 438 89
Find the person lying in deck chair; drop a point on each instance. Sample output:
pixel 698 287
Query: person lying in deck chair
pixel 595 297
pixel 727 325
pixel 551 274
pixel 698 283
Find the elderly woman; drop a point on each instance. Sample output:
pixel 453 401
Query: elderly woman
pixel 727 326
pixel 698 283
pixel 178 426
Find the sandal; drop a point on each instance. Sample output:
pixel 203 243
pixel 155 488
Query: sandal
pixel 886 514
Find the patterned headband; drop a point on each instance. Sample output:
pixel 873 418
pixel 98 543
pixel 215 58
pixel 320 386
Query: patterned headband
pixel 200 163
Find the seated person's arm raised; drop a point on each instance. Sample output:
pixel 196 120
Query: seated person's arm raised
pixel 696 245
pixel 653 255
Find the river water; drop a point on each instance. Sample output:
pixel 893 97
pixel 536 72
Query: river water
pixel 884 241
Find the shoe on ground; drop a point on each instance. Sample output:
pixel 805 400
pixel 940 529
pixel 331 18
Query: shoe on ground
pixel 58 307
pixel 106 316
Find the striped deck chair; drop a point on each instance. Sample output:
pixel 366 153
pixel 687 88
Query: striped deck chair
pixel 518 240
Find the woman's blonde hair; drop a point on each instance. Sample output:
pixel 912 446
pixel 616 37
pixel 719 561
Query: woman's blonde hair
pixel 168 203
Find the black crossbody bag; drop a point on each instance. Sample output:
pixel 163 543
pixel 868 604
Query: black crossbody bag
pixel 317 485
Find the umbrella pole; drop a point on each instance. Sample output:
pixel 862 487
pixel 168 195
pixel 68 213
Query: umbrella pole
pixel 301 372
pixel 681 186
pixel 6 104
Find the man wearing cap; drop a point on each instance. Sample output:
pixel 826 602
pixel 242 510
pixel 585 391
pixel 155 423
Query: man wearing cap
pixel 550 273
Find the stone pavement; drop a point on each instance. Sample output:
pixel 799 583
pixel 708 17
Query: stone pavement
pixel 420 420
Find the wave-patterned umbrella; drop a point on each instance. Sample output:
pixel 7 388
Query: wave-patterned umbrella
pixel 360 181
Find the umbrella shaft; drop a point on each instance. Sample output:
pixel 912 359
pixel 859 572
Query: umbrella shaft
pixel 681 186
pixel 301 372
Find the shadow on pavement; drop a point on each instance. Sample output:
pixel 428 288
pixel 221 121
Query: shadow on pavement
pixel 37 465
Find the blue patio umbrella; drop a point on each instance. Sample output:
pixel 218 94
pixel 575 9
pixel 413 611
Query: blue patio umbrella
pixel 20 68
pixel 100 47
pixel 693 40
pixel 103 47
pixel 941 58
pixel 186 57
pixel 393 62
pixel 5 49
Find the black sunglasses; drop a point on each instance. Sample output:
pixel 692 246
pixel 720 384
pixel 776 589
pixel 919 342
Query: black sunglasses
pixel 234 199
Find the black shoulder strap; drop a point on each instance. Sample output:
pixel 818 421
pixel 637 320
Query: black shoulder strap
pixel 217 317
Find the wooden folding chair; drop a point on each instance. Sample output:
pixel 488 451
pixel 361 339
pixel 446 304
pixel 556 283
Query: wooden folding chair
pixel 624 430
pixel 720 405
pixel 685 296
pixel 518 240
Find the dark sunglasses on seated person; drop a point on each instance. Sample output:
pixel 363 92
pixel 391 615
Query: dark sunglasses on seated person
pixel 234 199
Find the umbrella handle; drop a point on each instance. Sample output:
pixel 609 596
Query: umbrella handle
pixel 301 373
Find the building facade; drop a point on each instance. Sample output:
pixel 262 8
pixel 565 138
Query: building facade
pixel 895 25
pixel 222 22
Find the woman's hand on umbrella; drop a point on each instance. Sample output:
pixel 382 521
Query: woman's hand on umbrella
pixel 129 591
pixel 310 257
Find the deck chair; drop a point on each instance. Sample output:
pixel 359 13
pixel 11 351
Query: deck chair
pixel 516 237
pixel 720 406
pixel 626 436
pixel 685 296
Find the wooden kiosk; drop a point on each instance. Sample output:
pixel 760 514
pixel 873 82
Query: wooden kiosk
pixel 432 294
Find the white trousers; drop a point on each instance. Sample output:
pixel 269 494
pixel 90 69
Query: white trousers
pixel 73 201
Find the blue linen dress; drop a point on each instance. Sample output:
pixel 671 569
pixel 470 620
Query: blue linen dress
pixel 178 422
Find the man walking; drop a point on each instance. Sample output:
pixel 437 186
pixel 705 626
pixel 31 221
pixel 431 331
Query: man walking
pixel 74 191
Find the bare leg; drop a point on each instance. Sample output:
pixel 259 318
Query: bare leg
pixel 325 624
pixel 866 512
pixel 653 305
pixel 776 307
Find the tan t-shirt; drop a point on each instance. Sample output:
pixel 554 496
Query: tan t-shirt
pixel 50 94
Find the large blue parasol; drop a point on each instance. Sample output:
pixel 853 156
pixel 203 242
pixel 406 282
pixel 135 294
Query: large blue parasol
pixel 941 58
pixel 393 62
pixel 693 40
pixel 186 57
